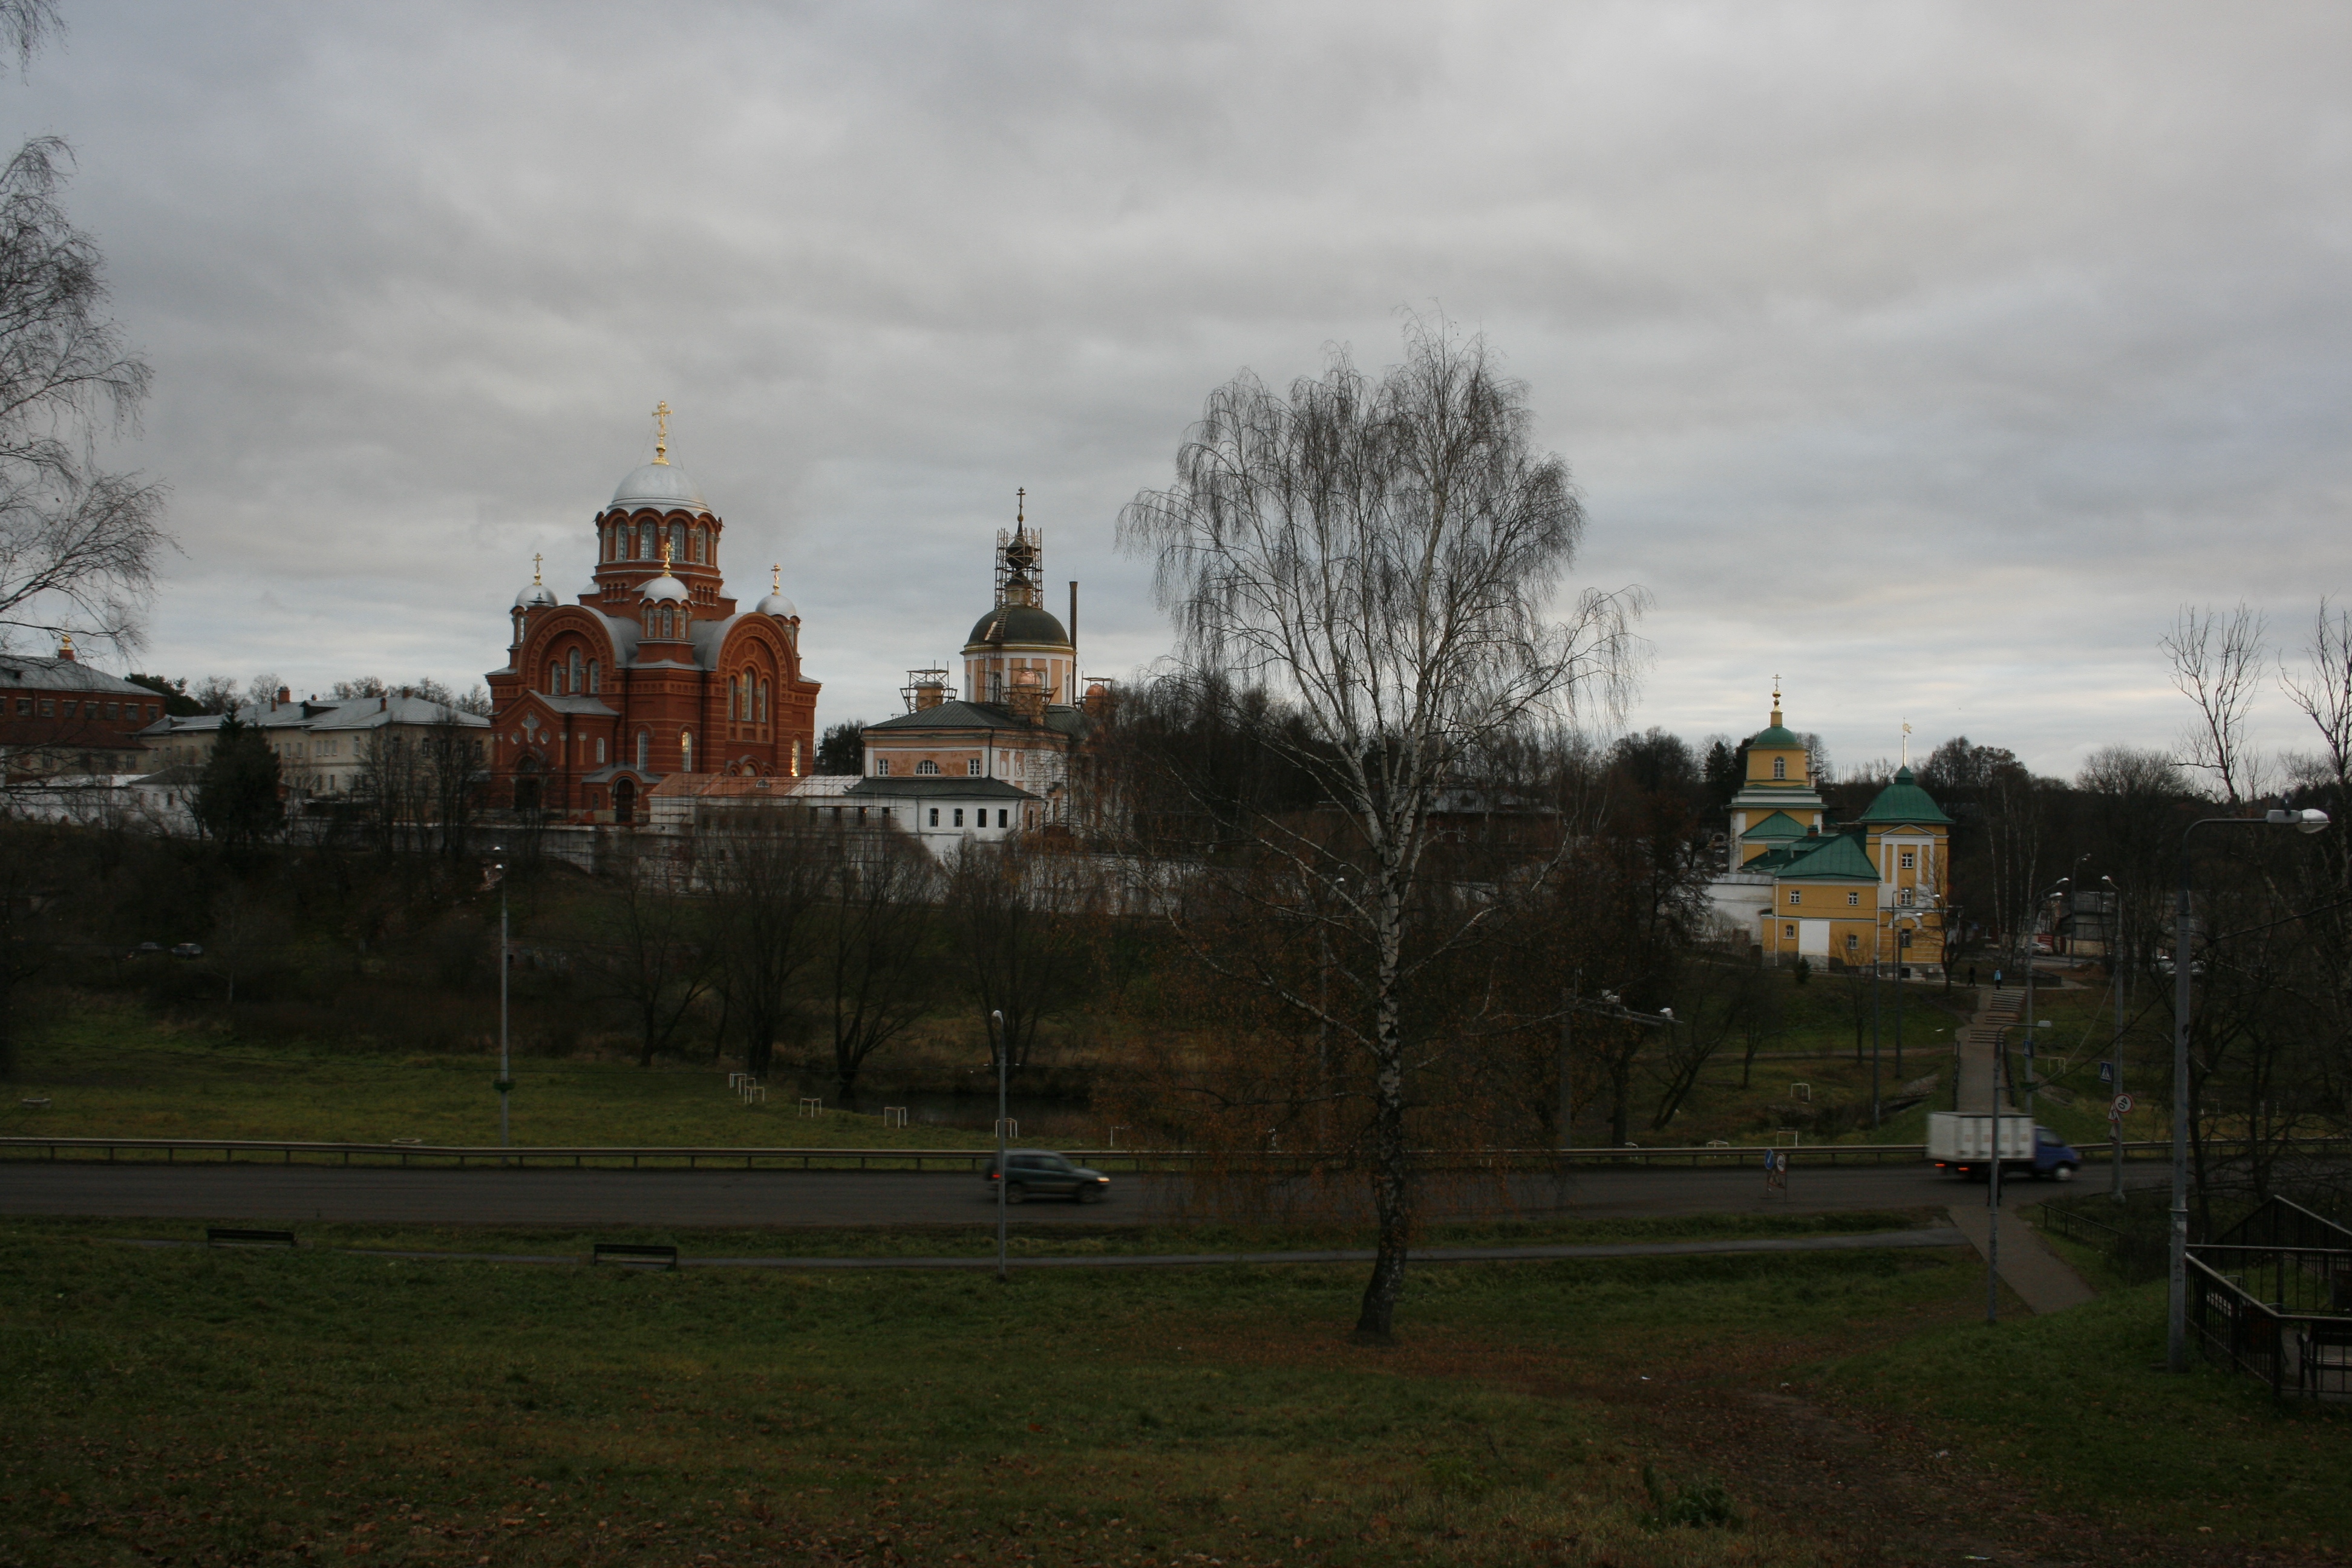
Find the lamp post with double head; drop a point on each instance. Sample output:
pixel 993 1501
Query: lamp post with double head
pixel 2176 1336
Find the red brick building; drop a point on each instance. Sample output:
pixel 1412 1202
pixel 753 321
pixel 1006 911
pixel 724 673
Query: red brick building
pixel 651 671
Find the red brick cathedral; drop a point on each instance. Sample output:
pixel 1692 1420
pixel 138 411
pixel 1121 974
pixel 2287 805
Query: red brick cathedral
pixel 653 671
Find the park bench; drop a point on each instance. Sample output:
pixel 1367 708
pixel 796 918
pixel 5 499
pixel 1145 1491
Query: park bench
pixel 634 1255
pixel 225 1236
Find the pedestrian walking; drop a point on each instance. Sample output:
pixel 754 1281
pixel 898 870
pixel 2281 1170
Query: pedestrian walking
pixel 1972 976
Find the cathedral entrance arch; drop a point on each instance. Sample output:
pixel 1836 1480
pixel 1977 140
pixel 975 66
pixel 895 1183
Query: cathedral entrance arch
pixel 625 801
pixel 527 788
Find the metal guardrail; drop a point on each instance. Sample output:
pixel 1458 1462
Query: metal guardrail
pixel 230 1150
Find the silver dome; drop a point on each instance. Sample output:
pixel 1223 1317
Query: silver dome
pixel 663 485
pixel 664 587
pixel 776 605
pixel 533 596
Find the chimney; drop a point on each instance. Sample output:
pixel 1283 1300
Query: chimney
pixel 284 697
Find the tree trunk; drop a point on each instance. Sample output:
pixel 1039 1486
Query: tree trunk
pixel 1392 1203
pixel 1392 1171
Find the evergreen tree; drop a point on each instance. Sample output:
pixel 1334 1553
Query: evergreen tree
pixel 237 797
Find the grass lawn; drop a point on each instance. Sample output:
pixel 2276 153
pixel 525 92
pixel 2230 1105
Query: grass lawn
pixel 250 1407
pixel 108 1068
pixel 2079 1402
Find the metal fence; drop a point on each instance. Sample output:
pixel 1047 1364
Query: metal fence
pixel 247 1150
pixel 2272 1296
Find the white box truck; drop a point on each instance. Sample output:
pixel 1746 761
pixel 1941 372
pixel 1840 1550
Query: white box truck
pixel 1962 1141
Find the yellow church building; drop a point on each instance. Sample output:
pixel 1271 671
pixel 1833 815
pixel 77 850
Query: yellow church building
pixel 1836 894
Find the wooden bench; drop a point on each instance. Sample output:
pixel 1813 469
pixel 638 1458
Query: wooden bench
pixel 634 1255
pixel 223 1236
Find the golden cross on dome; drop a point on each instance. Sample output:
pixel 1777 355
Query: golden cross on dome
pixel 776 578
pixel 661 432
pixel 1906 743
pixel 1020 506
pixel 664 551
pixel 535 561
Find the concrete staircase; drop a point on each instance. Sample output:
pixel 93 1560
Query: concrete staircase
pixel 1975 1043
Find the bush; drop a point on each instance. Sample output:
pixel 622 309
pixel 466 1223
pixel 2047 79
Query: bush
pixel 1701 1505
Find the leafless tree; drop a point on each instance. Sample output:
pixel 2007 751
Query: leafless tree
pixel 391 782
pixel 1383 554
pixel 768 872
pixel 646 948
pixel 877 947
pixel 453 774
pixel 2218 662
pixel 1018 915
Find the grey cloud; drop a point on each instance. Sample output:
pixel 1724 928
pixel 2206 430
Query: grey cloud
pixel 1926 355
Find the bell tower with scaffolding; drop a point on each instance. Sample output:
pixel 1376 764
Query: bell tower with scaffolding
pixel 1018 653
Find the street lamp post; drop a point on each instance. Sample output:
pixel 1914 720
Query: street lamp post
pixel 1992 1184
pixel 2175 1337
pixel 505 1085
pixel 2120 967
pixel 1004 1172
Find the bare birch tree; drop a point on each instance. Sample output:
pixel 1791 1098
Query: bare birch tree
pixel 78 543
pixel 2217 663
pixel 1384 555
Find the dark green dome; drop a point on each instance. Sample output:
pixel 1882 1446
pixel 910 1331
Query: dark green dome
pixel 1018 624
pixel 1777 735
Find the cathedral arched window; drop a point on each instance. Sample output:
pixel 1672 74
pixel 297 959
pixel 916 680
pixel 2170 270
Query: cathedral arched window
pixel 649 620
pixel 668 624
pixel 763 702
pixel 1779 767
pixel 595 683
pixel 645 542
pixel 701 545
pixel 927 767
pixel 574 683
pixel 600 749
pixel 645 751
pixel 555 680
pixel 677 541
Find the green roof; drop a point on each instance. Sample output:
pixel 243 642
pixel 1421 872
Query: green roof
pixel 1777 735
pixel 1838 855
pixel 1903 801
pixel 1779 824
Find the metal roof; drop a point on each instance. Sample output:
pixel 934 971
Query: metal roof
pixel 663 485
pixel 44 673
pixel 944 786
pixel 1903 801
pixel 956 715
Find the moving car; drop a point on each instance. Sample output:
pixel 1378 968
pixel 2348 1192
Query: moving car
pixel 1041 1171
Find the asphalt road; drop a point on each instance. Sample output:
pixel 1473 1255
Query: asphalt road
pixel 849 1198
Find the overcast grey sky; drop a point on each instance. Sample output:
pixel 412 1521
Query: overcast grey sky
pixel 1929 355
